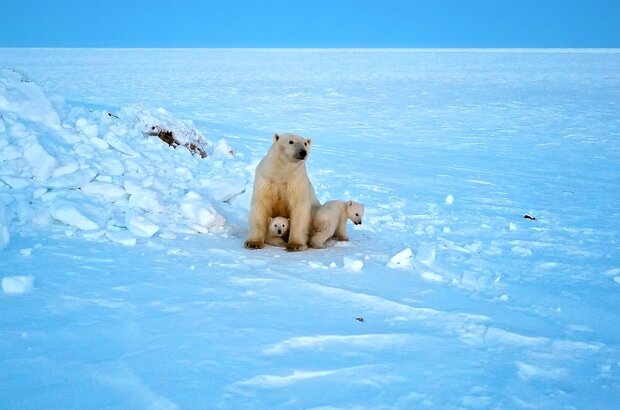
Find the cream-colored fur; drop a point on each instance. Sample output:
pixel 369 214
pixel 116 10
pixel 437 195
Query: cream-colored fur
pixel 282 188
pixel 277 231
pixel 330 221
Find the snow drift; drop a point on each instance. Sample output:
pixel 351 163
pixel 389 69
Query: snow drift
pixel 99 174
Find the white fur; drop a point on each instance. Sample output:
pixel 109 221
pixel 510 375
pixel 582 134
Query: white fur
pixel 282 188
pixel 330 221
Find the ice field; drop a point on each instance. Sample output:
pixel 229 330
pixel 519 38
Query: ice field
pixel 125 283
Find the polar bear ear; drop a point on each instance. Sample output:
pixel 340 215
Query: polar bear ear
pixel 309 141
pixel 270 220
pixel 276 137
pixel 350 203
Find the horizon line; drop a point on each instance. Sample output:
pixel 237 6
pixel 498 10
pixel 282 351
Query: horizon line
pixel 525 48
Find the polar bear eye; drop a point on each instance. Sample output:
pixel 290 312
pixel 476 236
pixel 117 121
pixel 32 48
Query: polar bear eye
pixel 357 214
pixel 305 144
pixel 291 142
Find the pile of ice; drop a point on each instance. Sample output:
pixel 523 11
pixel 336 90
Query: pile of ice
pixel 99 174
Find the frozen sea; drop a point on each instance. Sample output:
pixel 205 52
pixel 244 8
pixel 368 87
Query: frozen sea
pixel 125 283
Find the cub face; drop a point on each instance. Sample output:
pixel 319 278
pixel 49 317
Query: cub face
pixel 293 147
pixel 355 212
pixel 278 226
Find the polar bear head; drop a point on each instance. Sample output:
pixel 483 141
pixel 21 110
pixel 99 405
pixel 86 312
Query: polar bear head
pixel 355 211
pixel 278 226
pixel 292 147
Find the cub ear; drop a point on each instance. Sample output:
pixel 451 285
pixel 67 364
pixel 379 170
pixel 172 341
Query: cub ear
pixel 276 137
pixel 309 141
pixel 350 203
pixel 270 220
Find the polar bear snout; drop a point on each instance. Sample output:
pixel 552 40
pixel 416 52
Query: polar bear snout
pixel 357 222
pixel 302 154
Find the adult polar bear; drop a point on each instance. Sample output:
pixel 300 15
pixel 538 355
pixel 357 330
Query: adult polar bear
pixel 282 188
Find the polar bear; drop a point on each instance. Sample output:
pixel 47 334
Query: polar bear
pixel 282 188
pixel 330 221
pixel 277 231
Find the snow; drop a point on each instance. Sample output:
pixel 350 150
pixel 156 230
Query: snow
pixel 426 253
pixel 5 237
pixel 126 284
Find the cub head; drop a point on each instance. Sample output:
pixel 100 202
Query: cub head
pixel 355 211
pixel 278 226
pixel 293 147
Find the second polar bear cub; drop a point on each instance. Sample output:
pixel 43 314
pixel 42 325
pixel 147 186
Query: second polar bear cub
pixel 277 231
pixel 330 221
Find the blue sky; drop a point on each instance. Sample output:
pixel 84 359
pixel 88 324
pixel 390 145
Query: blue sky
pixel 318 23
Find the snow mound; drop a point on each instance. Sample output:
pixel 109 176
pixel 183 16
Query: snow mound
pixel 20 95
pixel 17 284
pixel 401 260
pixel 352 264
pixel 105 175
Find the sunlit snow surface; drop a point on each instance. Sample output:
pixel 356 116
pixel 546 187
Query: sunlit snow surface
pixel 460 301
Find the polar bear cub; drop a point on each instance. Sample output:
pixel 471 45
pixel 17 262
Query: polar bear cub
pixel 277 231
pixel 330 221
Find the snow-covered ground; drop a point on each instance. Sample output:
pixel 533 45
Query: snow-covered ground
pixel 124 279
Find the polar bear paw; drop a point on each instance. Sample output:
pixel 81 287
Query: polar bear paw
pixel 295 247
pixel 254 244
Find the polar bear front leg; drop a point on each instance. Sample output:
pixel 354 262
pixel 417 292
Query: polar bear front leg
pixel 299 226
pixel 258 226
pixel 341 230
